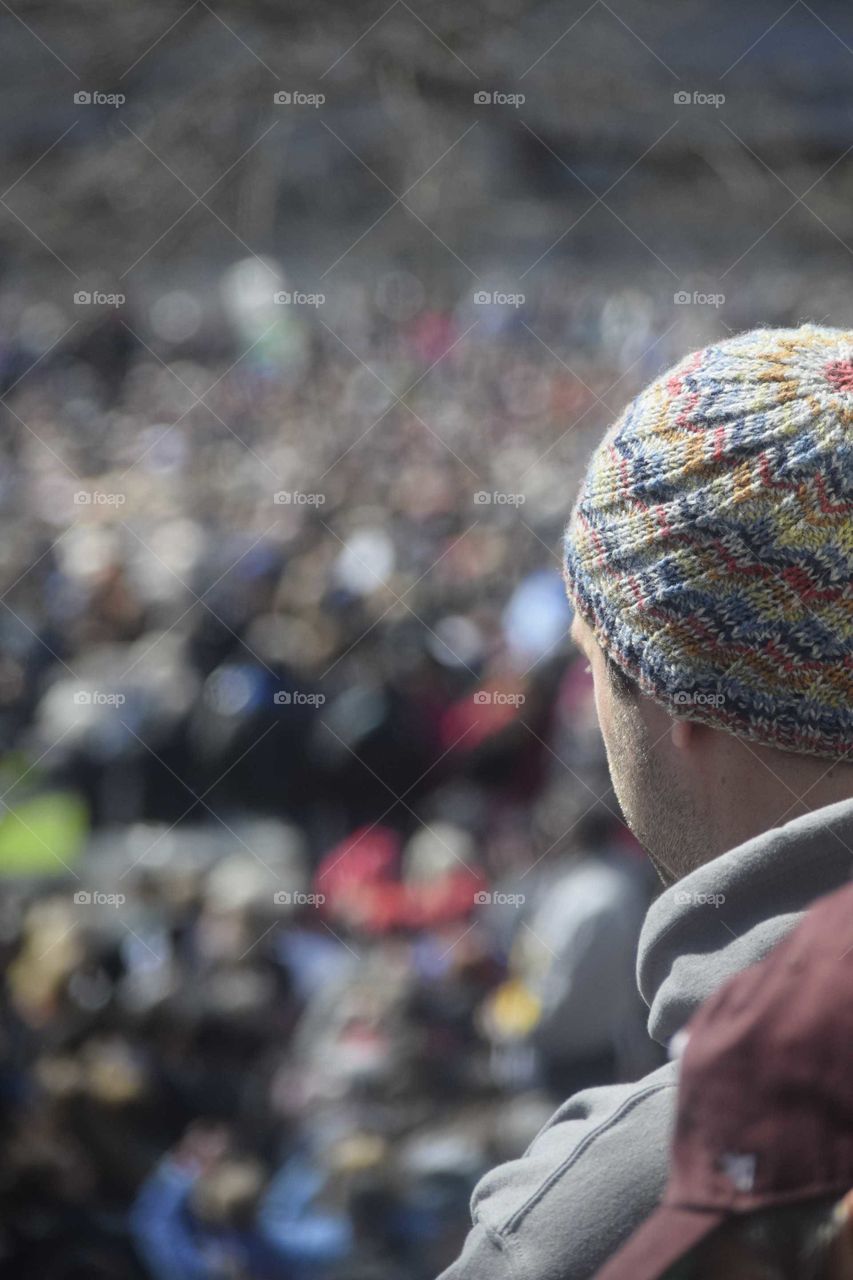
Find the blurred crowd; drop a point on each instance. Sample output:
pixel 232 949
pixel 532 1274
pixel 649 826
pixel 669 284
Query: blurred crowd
pixel 203 1076
pixel 316 898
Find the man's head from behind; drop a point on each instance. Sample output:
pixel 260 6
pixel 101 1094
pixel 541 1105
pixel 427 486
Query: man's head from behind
pixel 709 559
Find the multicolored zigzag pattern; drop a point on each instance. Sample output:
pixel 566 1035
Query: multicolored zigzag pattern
pixel 711 547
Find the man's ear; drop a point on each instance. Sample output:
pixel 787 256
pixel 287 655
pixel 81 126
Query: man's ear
pixel 681 734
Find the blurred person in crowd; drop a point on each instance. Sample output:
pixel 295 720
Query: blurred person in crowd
pixel 568 1013
pixel 761 1176
pixel 709 559
pixel 577 951
pixel 208 1212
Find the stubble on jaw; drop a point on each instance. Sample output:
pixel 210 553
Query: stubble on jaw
pixel 662 815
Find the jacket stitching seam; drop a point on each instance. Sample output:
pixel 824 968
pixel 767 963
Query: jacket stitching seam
pixel 627 1106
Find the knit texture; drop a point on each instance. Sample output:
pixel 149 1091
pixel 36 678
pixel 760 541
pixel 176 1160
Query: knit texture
pixel 711 547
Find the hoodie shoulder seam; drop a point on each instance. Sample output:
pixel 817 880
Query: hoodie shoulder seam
pixel 502 1245
pixel 514 1221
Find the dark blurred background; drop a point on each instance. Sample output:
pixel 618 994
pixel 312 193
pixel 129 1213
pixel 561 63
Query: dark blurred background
pixel 315 896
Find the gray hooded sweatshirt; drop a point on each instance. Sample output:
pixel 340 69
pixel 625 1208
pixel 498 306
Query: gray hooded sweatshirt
pixel 598 1167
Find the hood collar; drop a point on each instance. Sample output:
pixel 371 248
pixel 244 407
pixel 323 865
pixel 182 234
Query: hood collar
pixel 730 912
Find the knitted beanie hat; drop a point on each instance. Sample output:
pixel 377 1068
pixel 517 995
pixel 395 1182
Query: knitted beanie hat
pixel 711 547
